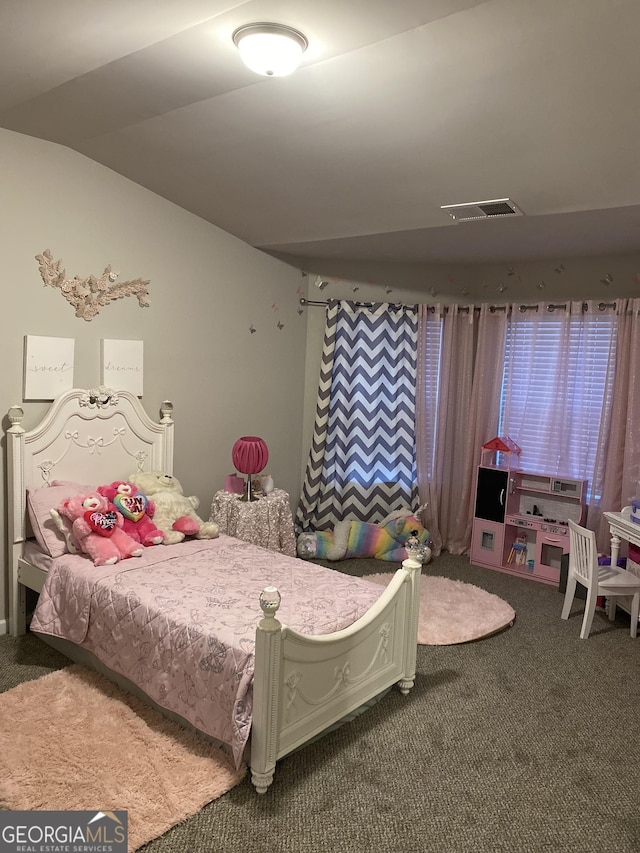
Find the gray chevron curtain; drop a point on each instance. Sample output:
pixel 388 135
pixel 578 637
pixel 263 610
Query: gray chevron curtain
pixel 362 463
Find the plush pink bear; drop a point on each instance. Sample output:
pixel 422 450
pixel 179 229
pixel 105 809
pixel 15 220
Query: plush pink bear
pixel 136 509
pixel 97 530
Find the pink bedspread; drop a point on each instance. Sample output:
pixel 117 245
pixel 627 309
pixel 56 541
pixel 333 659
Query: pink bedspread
pixel 180 620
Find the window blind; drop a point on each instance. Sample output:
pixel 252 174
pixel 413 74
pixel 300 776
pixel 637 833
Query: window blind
pixel 431 374
pixel 556 382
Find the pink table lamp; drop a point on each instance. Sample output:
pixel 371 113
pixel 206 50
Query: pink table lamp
pixel 250 456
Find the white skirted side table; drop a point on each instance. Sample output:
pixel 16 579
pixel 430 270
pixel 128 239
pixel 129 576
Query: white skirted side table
pixel 267 521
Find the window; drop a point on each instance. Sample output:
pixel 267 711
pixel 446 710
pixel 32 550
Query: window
pixel 556 384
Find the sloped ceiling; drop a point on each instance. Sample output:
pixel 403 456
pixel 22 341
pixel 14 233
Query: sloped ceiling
pixel 399 107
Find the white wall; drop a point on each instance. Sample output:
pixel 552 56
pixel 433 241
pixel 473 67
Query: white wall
pixel 207 289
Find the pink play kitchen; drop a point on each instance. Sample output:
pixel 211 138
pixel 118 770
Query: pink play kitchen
pixel 520 520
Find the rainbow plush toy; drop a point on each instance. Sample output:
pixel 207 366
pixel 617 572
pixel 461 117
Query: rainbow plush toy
pixel 384 541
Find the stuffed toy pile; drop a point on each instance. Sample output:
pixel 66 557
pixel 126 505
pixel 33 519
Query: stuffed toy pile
pixel 136 509
pixel 384 541
pixel 96 530
pixel 175 513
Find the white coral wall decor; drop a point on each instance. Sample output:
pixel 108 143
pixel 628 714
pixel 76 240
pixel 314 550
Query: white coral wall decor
pixel 89 295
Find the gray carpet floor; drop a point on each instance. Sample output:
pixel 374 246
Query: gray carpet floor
pixel 524 741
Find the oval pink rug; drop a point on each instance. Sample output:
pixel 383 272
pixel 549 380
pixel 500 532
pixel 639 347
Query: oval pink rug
pixel 455 612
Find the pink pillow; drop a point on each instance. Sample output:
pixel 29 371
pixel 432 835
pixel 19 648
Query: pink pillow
pixel 40 502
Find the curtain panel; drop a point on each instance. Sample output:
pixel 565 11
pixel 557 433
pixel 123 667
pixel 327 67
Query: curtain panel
pixel 618 458
pixel 362 464
pixel 309 505
pixel 460 359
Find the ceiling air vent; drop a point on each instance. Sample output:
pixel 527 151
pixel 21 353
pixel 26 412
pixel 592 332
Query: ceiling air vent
pixel 482 209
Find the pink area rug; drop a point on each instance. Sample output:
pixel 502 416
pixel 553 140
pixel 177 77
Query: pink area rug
pixel 73 740
pixel 454 612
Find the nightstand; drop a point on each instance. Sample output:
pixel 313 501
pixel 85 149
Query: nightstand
pixel 267 521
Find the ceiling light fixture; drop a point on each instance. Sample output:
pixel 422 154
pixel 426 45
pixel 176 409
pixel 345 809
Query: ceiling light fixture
pixel 272 50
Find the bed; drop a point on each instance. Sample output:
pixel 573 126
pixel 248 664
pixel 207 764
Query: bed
pixel 312 647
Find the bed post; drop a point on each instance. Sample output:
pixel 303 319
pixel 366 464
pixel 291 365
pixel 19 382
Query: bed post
pixel 414 568
pixel 16 498
pixel 266 692
pixel 166 410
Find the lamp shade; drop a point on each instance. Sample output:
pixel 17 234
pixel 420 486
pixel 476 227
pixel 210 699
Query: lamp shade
pixel 250 454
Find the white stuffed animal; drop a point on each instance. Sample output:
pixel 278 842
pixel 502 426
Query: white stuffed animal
pixel 175 512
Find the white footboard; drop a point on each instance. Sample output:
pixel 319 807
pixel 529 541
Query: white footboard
pixel 303 684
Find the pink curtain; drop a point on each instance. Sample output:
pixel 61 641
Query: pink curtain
pixel 457 407
pixel 619 456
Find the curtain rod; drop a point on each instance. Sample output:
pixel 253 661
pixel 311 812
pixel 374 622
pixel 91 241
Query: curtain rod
pixel 550 306
pixel 304 301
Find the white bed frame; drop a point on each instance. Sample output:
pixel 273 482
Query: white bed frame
pixel 302 685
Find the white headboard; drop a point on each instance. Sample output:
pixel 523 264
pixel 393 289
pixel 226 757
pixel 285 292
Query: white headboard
pixel 90 436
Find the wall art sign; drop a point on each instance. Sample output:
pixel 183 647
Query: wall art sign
pixel 122 365
pixel 48 367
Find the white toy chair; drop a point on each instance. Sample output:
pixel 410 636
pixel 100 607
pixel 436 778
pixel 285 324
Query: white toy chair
pixel 609 581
